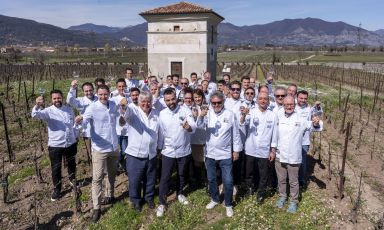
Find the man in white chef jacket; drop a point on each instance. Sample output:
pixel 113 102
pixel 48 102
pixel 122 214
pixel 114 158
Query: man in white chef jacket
pixel 143 130
pixel 260 144
pixel 81 103
pixel 61 138
pixel 176 126
pixel 222 128
pixel 290 131
pixel 101 116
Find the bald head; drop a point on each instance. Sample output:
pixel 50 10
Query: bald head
pixel 263 101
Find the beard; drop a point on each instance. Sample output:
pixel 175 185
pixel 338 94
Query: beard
pixel 58 104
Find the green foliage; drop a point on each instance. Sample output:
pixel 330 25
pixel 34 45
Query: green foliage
pixel 21 174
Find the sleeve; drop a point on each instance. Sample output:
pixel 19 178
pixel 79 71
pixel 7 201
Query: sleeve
pixel 88 115
pixel 274 132
pixel 237 144
pixel 191 120
pixel 128 112
pixel 200 122
pixel 72 100
pixel 38 113
pixel 160 140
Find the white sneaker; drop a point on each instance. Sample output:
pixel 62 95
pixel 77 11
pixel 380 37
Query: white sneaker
pixel 160 210
pixel 211 204
pixel 229 211
pixel 182 199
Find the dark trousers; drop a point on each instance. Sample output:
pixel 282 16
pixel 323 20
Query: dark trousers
pixel 303 166
pixel 239 169
pixel 257 172
pixel 226 176
pixel 167 164
pixel 141 175
pixel 56 155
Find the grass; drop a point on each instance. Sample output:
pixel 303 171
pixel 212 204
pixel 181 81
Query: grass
pixel 312 214
pixel 21 174
pixel 261 56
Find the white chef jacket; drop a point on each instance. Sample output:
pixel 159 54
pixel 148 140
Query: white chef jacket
pixel 290 132
pixel 80 103
pixel 222 134
pixel 175 141
pixel 143 132
pixel 120 130
pixel 234 106
pixel 200 135
pixel 60 124
pixel 262 133
pixel 212 87
pixel 305 113
pixel 102 119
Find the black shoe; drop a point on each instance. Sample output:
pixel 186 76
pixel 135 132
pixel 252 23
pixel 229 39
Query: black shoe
pixel 55 195
pixel 96 215
pixel 151 204
pixel 137 207
pixel 108 200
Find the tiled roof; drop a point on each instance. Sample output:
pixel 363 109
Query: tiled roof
pixel 179 8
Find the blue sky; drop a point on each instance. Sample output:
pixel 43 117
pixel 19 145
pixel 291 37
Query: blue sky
pixel 121 13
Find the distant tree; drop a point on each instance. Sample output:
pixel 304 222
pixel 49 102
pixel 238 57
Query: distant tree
pixel 107 49
pixel 381 49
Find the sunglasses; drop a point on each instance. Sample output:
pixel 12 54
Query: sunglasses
pixel 279 95
pixel 235 89
pixel 216 102
pixel 183 83
pixel 249 93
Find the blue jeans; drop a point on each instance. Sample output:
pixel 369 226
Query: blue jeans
pixel 123 143
pixel 303 166
pixel 142 175
pixel 226 175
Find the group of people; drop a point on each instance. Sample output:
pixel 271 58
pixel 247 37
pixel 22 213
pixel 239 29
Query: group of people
pixel 220 135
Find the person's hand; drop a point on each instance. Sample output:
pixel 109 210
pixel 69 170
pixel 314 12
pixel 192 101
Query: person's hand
pixel 186 126
pixel 316 121
pixel 244 110
pixel 74 84
pixel 40 101
pixel 235 156
pixel 78 119
pixel 272 156
pixel 124 102
pixel 270 78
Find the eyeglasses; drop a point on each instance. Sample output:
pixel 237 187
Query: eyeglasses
pixel 216 102
pixel 235 89
pixel 250 93
pixel 279 95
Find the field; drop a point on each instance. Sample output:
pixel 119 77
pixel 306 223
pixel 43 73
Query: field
pixel 336 198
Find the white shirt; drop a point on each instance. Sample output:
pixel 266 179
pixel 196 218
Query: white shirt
pixel 102 119
pixel 234 106
pixel 60 124
pixel 200 135
pixel 175 141
pixel 120 130
pixel 222 134
pixel 305 113
pixel 143 132
pixel 290 132
pixel 80 103
pixel 262 133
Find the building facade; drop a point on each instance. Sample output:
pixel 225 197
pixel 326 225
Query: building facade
pixel 182 38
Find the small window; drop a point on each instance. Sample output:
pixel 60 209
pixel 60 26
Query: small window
pixel 176 28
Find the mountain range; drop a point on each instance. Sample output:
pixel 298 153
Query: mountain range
pixel 308 32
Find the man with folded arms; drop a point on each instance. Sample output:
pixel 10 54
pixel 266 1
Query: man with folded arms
pixel 222 130
pixel 176 126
